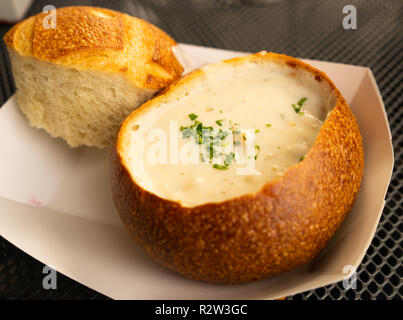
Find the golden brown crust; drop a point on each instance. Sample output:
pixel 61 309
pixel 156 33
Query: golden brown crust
pixel 78 28
pixel 254 236
pixel 9 36
pixel 100 39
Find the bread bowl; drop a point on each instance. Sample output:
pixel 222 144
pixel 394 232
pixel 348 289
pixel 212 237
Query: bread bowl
pixel 79 80
pixel 270 225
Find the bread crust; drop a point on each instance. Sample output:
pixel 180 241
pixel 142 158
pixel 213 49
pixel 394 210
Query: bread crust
pixel 91 38
pixel 255 236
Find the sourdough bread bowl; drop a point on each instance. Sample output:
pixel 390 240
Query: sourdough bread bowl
pixel 210 222
pixel 79 80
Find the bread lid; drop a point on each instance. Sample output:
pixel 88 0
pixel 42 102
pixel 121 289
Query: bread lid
pixel 91 38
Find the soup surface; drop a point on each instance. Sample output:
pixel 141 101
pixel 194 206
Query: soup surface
pixel 228 138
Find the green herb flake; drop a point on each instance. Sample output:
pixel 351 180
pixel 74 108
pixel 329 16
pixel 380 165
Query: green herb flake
pixel 219 122
pixel 211 151
pixel 268 125
pixel 258 151
pixel 299 103
pixel 199 127
pixel 301 158
pixel 195 124
pixel 296 109
pixel 257 131
pixel 220 167
pixel 302 101
pixel 192 116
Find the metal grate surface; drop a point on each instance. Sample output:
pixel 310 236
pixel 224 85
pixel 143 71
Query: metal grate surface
pixel 308 29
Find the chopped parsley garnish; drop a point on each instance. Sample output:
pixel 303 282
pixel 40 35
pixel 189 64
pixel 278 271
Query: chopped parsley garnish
pixel 212 138
pixel 301 158
pixel 220 167
pixel 296 109
pixel 268 125
pixel 219 122
pixel 210 150
pixel 258 151
pixel 300 103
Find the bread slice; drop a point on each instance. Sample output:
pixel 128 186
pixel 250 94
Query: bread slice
pixel 81 79
pixel 269 228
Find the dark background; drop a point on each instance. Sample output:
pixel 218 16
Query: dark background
pixel 308 29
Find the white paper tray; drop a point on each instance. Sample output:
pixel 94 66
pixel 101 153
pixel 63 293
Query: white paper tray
pixel 55 204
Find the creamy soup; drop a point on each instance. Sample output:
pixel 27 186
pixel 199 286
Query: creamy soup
pixel 228 138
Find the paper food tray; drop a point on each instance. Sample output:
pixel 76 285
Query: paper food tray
pixel 55 204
